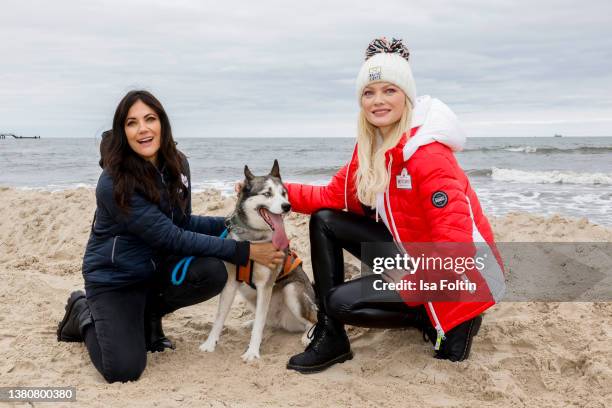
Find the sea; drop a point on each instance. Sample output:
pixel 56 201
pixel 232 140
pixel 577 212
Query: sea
pixel 571 176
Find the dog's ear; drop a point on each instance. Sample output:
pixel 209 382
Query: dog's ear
pixel 247 173
pixel 275 172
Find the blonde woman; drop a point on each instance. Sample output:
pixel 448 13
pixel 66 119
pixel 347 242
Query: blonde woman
pixel 401 185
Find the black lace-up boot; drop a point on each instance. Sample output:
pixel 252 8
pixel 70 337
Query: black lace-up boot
pixel 76 318
pixel 329 345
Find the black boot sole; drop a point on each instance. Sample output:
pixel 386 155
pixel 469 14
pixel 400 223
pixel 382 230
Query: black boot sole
pixel 318 368
pixel 71 301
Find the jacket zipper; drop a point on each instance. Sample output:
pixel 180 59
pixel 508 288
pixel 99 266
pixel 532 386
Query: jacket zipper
pixel 163 180
pixel 388 198
pixel 113 251
pixel 348 170
pixel 439 330
pixel 441 335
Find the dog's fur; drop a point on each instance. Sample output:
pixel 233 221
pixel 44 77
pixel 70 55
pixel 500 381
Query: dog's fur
pixel 289 304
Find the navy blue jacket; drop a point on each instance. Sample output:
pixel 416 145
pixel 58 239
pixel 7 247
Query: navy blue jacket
pixel 126 248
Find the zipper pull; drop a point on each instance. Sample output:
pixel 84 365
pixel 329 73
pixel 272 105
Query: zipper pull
pixel 439 339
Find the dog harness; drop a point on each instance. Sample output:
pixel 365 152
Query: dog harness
pixel 245 273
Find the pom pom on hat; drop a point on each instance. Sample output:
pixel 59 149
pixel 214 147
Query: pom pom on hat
pixel 387 61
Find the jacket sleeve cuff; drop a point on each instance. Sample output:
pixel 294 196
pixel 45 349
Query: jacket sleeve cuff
pixel 242 252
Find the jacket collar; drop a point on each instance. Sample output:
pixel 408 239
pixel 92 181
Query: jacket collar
pixel 436 123
pixel 397 151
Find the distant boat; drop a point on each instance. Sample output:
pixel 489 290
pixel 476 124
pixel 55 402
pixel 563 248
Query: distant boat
pixel 558 135
pixel 5 135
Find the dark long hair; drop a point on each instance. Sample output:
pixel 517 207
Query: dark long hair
pixel 129 171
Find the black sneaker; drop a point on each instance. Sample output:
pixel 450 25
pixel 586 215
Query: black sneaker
pixel 457 343
pixel 75 319
pixel 329 345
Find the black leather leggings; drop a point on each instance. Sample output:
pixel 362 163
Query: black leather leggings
pixel 355 302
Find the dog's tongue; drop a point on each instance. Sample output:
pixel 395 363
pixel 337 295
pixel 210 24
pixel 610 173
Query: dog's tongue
pixel 279 238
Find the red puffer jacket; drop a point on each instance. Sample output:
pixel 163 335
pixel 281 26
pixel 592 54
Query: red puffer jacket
pixel 428 200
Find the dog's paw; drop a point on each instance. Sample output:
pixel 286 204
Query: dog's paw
pixel 208 345
pixel 250 355
pixel 305 339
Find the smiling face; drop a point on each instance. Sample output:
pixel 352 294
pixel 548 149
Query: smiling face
pixel 143 131
pixel 383 105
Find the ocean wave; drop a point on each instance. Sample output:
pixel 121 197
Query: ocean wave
pixel 550 177
pixel 57 187
pixel 522 149
pixel 479 172
pixel 545 149
pixel 226 187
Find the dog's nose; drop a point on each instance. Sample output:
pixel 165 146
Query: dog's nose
pixel 286 207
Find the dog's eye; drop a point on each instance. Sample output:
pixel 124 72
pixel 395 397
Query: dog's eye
pixel 267 194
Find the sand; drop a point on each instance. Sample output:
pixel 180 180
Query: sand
pixel 526 354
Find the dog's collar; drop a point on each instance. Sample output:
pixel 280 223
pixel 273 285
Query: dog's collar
pixel 244 233
pixel 234 227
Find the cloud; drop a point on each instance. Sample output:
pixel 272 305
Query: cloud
pixel 272 67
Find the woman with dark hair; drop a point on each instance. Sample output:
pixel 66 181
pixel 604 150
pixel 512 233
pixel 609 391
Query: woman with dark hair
pixel 142 229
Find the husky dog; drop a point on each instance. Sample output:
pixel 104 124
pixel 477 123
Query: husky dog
pixel 290 302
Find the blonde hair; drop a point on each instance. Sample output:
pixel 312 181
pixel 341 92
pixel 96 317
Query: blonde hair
pixel 372 174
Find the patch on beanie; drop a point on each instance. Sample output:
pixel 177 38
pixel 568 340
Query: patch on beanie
pixel 382 45
pixel 375 74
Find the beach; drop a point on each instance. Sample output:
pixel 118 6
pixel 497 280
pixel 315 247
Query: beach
pixel 526 354
pixel 454 121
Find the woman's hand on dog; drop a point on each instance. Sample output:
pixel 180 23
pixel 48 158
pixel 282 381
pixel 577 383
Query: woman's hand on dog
pixel 238 186
pixel 266 254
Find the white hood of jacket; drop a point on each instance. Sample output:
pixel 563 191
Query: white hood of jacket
pixel 437 124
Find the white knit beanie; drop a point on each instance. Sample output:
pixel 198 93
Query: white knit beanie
pixel 387 61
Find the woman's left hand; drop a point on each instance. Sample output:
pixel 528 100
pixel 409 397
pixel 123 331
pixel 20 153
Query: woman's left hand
pixel 238 186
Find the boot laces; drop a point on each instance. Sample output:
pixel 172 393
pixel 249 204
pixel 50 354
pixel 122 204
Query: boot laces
pixel 314 334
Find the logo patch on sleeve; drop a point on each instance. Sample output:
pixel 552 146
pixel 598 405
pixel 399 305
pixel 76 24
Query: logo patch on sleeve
pixel 185 180
pixel 439 199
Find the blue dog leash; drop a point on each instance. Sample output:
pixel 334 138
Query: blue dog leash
pixel 185 264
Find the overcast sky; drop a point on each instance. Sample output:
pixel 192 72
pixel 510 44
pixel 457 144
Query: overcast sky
pixel 287 68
